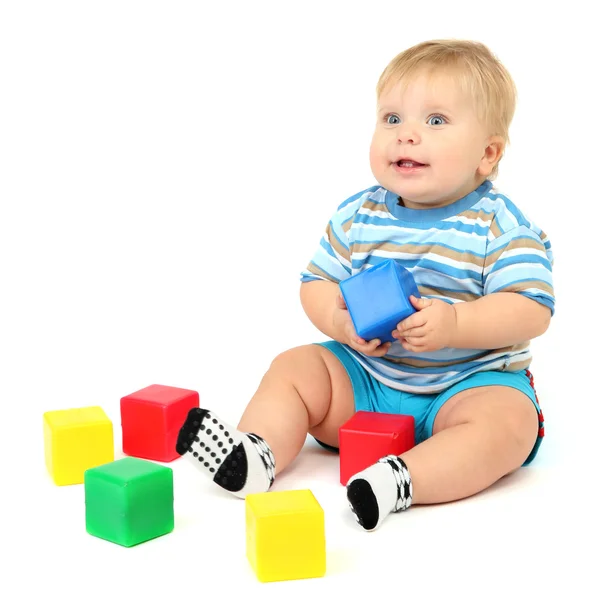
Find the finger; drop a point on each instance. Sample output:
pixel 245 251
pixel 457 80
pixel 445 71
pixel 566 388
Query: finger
pixel 382 350
pixel 341 303
pixel 411 347
pixel 374 344
pixel 359 344
pixel 371 345
pixel 362 346
pixel 379 350
pixel 420 303
pixel 415 332
pixel 416 320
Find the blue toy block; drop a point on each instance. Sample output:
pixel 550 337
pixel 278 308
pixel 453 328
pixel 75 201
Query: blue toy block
pixel 378 298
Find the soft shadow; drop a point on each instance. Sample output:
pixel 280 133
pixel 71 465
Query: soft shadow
pixel 312 463
pixel 340 561
pixel 510 482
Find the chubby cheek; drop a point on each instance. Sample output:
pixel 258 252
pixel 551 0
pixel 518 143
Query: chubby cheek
pixel 453 161
pixel 469 155
pixel 377 158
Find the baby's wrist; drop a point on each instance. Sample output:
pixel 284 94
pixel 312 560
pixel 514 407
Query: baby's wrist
pixel 457 325
pixel 339 330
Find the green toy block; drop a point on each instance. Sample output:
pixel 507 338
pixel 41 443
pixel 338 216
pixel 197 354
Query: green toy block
pixel 129 501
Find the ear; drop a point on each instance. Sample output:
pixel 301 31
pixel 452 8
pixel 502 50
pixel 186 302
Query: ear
pixel 491 155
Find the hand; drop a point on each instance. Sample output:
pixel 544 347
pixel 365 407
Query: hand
pixel 431 328
pixel 343 323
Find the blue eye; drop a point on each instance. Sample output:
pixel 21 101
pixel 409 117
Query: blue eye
pixel 436 120
pixel 392 119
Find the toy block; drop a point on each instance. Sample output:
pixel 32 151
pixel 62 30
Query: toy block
pixel 76 439
pixel 378 298
pixel 368 436
pixel 129 501
pixel 151 419
pixel 285 535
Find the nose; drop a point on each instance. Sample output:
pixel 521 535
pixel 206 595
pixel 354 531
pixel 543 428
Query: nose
pixel 407 133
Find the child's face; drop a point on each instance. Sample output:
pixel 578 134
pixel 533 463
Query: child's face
pixel 429 146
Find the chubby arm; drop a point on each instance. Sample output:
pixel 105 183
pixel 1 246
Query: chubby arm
pixel 318 300
pixel 498 320
pixel 494 321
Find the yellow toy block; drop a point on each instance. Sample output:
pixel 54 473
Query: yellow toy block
pixel 285 535
pixel 76 439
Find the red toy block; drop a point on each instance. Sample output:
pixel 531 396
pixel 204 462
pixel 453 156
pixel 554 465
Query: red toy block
pixel 368 436
pixel 151 419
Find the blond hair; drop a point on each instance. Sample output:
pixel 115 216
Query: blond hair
pixel 477 71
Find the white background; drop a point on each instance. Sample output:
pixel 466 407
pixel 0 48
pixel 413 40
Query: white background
pixel 139 144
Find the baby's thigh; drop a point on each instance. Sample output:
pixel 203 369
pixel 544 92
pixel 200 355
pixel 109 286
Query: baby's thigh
pixel 323 383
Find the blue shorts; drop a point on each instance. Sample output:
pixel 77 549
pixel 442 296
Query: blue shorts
pixel 374 396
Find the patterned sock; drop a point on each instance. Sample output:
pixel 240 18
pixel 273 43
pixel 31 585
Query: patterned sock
pixel 241 463
pixel 380 489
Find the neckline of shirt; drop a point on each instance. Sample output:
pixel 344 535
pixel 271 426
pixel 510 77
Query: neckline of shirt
pixel 435 214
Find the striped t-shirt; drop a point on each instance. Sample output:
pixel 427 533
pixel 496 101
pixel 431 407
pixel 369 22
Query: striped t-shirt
pixel 476 246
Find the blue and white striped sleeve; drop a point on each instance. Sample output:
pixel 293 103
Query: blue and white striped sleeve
pixel 331 261
pixel 520 260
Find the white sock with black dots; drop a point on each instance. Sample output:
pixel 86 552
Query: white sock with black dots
pixel 378 490
pixel 241 463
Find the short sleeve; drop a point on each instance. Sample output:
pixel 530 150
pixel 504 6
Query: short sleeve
pixel 520 260
pixel 331 260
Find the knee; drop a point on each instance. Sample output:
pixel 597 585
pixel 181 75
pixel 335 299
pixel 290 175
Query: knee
pixel 522 427
pixel 510 418
pixel 298 363
pixel 290 358
pixel 516 419
pixel 511 434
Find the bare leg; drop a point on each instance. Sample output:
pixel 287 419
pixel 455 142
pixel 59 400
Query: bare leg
pixel 482 434
pixel 479 436
pixel 306 389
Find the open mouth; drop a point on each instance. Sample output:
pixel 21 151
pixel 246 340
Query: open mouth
pixel 409 164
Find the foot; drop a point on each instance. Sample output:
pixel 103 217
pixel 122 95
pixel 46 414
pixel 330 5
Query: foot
pixel 241 463
pixel 380 489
